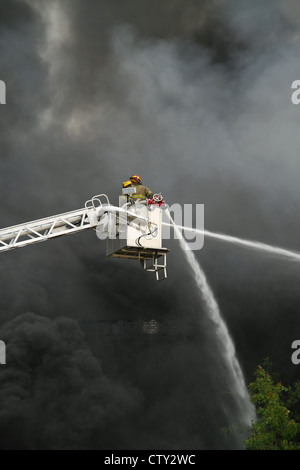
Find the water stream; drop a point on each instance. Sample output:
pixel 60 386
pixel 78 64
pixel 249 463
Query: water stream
pixel 239 388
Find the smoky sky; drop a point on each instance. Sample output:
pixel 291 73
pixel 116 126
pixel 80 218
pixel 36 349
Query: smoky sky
pixel 195 97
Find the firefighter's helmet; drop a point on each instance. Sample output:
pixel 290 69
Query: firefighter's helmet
pixel 136 179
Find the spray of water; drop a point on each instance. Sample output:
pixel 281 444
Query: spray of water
pixel 229 356
pixel 282 252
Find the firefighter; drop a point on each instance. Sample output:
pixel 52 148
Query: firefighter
pixel 142 192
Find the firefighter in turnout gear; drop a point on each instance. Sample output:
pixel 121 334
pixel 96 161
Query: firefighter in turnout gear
pixel 142 192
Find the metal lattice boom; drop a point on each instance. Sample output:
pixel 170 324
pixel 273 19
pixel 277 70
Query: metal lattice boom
pixel 47 228
pixel 112 223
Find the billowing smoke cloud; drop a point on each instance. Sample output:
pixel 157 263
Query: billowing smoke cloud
pixel 195 97
pixel 54 394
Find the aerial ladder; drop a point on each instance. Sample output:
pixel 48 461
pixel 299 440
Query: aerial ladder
pixel 132 230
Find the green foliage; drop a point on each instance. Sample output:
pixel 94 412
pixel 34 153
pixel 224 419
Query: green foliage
pixel 293 399
pixel 276 428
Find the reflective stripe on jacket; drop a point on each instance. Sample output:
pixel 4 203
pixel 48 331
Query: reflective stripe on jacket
pixel 142 192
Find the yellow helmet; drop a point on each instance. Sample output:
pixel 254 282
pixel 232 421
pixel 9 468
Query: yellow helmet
pixel 136 178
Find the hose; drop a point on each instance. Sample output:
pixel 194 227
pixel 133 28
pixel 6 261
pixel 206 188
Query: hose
pixel 151 232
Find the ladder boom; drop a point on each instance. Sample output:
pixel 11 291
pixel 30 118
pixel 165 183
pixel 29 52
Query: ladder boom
pixel 47 228
pixel 132 232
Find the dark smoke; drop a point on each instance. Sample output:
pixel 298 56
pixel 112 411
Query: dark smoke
pixel 56 388
pixel 195 97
